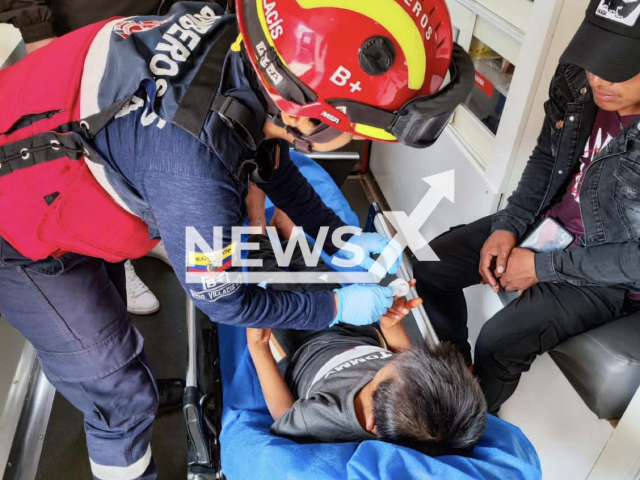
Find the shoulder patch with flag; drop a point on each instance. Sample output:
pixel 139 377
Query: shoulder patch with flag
pixel 217 261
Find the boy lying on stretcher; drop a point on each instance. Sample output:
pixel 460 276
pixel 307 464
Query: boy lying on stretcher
pixel 348 383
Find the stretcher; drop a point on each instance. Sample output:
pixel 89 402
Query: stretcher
pixel 231 439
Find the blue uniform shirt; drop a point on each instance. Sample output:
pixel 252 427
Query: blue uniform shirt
pixel 174 180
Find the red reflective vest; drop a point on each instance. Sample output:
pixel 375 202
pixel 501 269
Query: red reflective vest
pixel 50 203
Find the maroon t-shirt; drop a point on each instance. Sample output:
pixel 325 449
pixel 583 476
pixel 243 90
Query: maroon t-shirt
pixel 607 126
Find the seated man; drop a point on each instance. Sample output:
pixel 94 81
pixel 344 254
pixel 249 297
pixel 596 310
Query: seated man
pixel 584 174
pixel 350 383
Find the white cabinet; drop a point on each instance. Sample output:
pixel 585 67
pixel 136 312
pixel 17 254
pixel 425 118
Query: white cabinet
pixel 9 39
pixel 515 45
pixel 508 42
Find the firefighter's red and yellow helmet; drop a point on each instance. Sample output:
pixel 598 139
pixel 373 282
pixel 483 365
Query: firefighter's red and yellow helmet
pixel 356 65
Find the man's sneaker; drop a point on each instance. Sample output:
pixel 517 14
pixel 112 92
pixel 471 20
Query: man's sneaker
pixel 140 300
pixel 160 253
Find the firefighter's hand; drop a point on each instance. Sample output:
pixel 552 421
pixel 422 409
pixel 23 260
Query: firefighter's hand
pixel 361 304
pixel 369 244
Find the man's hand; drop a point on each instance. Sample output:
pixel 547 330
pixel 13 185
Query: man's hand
pixel 495 255
pixel 521 271
pixel 258 336
pixel 33 46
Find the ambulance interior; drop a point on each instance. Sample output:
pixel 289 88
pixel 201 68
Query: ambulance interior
pixel 579 405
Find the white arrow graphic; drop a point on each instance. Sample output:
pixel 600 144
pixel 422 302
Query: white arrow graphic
pixel 408 227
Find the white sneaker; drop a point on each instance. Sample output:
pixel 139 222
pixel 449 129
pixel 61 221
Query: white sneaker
pixel 160 253
pixel 140 300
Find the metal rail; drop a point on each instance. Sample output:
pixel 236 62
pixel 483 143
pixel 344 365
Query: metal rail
pixel 192 343
pixel 191 400
pixel 376 217
pixel 334 156
pixel 24 457
pixel 405 271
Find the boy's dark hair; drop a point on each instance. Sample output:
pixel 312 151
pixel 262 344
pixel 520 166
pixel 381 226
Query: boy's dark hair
pixel 432 404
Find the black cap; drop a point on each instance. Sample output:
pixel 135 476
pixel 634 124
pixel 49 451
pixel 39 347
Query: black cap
pixel 608 41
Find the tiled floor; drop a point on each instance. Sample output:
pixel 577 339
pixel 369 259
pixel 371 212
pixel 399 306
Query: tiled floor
pixel 566 434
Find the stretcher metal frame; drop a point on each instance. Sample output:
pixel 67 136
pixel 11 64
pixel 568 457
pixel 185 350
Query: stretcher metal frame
pixel 203 393
pixel 202 401
pixel 377 222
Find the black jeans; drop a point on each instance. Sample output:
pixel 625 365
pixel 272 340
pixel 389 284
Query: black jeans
pixel 297 264
pixel 541 318
pixel 289 340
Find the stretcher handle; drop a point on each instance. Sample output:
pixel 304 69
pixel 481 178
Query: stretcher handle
pixel 191 405
pixel 192 343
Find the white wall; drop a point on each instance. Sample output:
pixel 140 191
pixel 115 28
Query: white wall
pixel 9 40
pixel 568 22
pixel 399 171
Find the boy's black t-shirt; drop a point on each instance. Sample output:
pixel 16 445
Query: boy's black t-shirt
pixel 324 375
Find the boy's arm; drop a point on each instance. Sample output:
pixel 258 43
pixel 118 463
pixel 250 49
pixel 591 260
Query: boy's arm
pixel 395 334
pixel 276 392
pixel 391 322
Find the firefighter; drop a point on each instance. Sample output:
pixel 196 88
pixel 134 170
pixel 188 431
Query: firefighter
pixel 133 129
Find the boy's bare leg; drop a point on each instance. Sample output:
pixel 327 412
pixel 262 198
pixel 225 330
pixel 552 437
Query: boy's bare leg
pixel 284 225
pixel 255 207
pixel 255 203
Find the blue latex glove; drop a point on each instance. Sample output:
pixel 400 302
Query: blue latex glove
pixel 372 243
pixel 362 304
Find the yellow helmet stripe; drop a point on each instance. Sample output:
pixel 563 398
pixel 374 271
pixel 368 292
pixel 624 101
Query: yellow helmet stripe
pixel 374 132
pixel 396 20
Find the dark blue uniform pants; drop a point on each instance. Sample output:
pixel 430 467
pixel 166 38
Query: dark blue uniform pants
pixel 73 311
